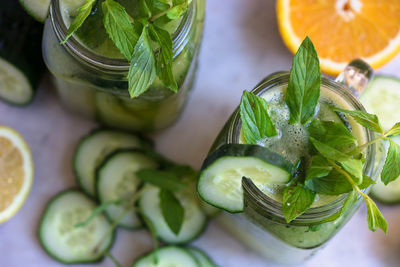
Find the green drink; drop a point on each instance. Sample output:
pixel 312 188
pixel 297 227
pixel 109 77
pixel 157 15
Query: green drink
pixel 91 73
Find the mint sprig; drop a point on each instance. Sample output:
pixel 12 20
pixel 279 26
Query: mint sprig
pixel 296 200
pixel 256 122
pixel 172 210
pixel 303 89
pixel 131 35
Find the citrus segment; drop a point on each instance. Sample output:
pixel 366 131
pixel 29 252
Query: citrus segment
pixel 342 30
pixel 16 172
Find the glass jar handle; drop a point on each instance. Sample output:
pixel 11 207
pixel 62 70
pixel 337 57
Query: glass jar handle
pixel 356 76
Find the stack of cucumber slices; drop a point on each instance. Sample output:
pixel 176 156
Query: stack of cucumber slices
pixel 124 183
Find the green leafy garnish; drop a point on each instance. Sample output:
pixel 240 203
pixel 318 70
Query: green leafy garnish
pixel 296 200
pixel 355 168
pixel 119 27
pixel 374 216
pixel 328 151
pixel 82 13
pixel 395 130
pixel 318 168
pixel 391 168
pixel 256 122
pixel 163 179
pixel 172 210
pixel 367 120
pixel 303 89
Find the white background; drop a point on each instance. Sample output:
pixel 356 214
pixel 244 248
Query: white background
pixel 241 46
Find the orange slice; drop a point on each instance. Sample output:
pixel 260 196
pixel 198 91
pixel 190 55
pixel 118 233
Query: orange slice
pixel 342 30
pixel 16 172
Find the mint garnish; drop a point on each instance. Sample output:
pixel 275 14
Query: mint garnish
pixel 303 89
pixel 296 200
pixel 367 120
pixel 256 122
pixel 391 169
pixel 140 39
pixel 172 210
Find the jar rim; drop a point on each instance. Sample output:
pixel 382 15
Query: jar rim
pixel 268 206
pixel 79 51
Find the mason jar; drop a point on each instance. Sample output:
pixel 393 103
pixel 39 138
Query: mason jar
pixel 96 86
pixel 261 226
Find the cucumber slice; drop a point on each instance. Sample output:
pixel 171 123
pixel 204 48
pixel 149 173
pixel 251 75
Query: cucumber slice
pixel 167 257
pixel 14 85
pixel 202 258
pixel 387 194
pixel 194 219
pixel 382 97
pixel 38 9
pixel 93 148
pixel 220 182
pixel 67 243
pixel 116 180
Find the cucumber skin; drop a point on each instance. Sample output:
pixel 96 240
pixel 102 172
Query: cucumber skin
pixel 166 247
pixel 204 254
pixel 21 38
pixel 97 177
pixel 144 141
pixel 58 195
pixel 242 150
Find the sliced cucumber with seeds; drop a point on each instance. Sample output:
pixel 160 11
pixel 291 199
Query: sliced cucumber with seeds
pixel 116 180
pixel 39 9
pixel 194 221
pixel 220 182
pixel 202 258
pixel 92 150
pixel 167 257
pixel 67 243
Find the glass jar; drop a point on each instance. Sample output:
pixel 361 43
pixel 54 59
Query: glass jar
pixel 96 86
pixel 262 226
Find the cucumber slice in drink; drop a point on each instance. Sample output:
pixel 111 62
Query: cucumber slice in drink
pixel 38 9
pixel 202 258
pixel 15 87
pixel 167 256
pixel 116 180
pixel 67 243
pixel 194 218
pixel 220 182
pixel 93 148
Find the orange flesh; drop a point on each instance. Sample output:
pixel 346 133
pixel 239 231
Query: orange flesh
pixel 345 33
pixel 11 172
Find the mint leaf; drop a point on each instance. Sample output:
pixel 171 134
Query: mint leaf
pixel 374 216
pixel 391 168
pixel 142 71
pixel 355 168
pixel 296 200
pixel 119 27
pixel 366 182
pixel 327 151
pixel 172 210
pixel 256 123
pixel 319 167
pixel 367 120
pixel 334 134
pixel 332 184
pixel 162 179
pixel 395 130
pixel 83 13
pixel 178 10
pixel 303 89
pixel 164 57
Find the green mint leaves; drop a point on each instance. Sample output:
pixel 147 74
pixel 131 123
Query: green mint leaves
pixel 119 27
pixel 163 179
pixel 374 216
pixel 296 200
pixel 303 89
pixel 367 120
pixel 140 39
pixel 391 168
pixel 172 210
pixel 256 122
pixel 82 13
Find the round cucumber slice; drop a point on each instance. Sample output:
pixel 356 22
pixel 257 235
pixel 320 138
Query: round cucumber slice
pixel 38 9
pixel 15 87
pixel 382 97
pixel 167 257
pixel 116 180
pixel 67 243
pixel 93 148
pixel 220 182
pixel 194 219
pixel 202 258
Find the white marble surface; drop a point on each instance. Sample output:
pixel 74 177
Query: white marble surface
pixel 241 46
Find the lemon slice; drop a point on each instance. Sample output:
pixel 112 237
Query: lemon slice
pixel 342 30
pixel 16 172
